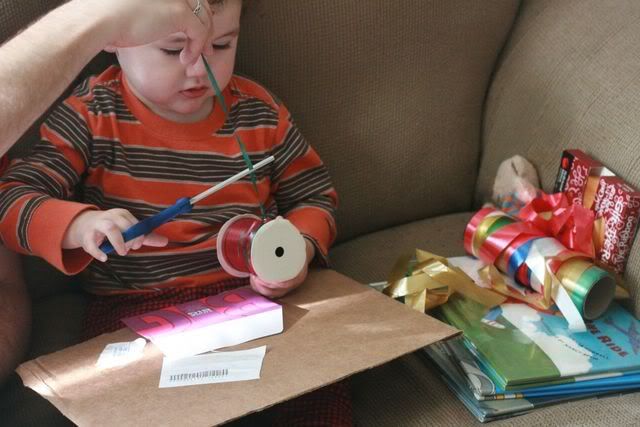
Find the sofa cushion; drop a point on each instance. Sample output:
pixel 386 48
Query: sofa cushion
pixel 57 323
pixel 390 94
pixel 408 392
pixel 43 280
pixel 14 14
pixel 370 258
pixel 21 406
pixel 569 79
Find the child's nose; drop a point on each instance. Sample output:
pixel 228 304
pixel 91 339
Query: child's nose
pixel 196 68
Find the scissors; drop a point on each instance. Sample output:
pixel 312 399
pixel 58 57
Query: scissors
pixel 182 205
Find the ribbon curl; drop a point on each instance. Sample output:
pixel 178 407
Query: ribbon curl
pixel 572 224
pixel 427 281
pixel 533 259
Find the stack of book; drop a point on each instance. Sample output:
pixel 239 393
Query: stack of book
pixel 513 358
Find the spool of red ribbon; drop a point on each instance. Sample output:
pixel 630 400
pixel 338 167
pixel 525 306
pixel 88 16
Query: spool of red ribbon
pixel 273 250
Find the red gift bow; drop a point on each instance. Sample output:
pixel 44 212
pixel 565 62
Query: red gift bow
pixel 571 224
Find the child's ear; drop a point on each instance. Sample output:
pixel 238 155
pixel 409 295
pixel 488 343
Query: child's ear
pixel 110 48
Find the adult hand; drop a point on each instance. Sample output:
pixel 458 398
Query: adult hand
pixel 138 22
pixel 279 289
pixel 89 229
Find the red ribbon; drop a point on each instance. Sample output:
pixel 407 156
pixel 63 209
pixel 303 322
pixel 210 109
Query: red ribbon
pixel 571 224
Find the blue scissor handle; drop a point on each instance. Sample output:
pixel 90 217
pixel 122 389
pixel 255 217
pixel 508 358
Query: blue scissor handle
pixel 147 225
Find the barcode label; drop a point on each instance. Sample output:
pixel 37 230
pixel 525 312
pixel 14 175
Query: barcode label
pixel 218 367
pixel 189 376
pixel 121 353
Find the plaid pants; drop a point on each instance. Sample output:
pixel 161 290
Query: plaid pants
pixel 328 406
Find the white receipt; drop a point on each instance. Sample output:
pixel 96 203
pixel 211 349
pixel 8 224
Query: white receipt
pixel 216 367
pixel 121 353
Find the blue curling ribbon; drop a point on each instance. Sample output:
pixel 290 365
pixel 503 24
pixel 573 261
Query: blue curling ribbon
pixel 518 258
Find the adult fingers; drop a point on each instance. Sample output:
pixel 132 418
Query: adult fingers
pixel 197 34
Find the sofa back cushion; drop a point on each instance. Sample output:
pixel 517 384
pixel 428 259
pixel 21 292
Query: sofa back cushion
pixel 568 79
pixel 16 14
pixel 389 93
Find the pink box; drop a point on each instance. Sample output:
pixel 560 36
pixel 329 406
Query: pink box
pixel 222 320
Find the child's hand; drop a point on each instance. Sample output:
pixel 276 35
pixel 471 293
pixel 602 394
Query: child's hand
pixel 278 289
pixel 89 229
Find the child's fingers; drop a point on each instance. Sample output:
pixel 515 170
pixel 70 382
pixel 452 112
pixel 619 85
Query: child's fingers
pixel 262 290
pixel 91 247
pixel 155 240
pixel 113 233
pixel 268 289
pixel 125 219
pixel 136 243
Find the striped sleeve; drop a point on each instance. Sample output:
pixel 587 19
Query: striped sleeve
pixel 302 187
pixel 36 192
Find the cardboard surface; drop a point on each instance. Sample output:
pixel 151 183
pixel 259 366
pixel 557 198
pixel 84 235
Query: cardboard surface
pixel 334 327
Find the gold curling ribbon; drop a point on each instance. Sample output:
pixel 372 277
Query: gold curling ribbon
pixel 429 281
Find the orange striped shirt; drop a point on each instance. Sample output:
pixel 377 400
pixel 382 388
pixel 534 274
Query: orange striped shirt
pixel 103 149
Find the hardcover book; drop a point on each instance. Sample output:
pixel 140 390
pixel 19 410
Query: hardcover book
pixel 522 347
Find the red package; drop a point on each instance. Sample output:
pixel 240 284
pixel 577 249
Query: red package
pixel 578 177
pixel 617 209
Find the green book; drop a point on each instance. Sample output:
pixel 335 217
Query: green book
pixel 521 347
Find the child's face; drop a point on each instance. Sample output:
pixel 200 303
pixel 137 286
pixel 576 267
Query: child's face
pixel 179 92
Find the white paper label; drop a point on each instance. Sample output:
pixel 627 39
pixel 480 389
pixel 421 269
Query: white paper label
pixel 217 367
pixel 121 353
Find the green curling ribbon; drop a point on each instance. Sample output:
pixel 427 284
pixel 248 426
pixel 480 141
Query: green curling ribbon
pixel 245 156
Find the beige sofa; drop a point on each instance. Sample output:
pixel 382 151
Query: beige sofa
pixel 412 105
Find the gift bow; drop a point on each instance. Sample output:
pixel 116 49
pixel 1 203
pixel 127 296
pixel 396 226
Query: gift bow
pixel 427 281
pixel 572 224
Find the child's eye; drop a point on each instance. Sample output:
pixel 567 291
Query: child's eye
pixel 172 52
pixel 221 46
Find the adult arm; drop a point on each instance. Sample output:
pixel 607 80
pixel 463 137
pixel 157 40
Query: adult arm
pixel 15 313
pixel 38 64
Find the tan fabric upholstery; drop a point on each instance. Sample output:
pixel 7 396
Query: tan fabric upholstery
pixel 389 93
pixel 15 15
pixel 408 392
pixel 370 258
pixel 569 79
